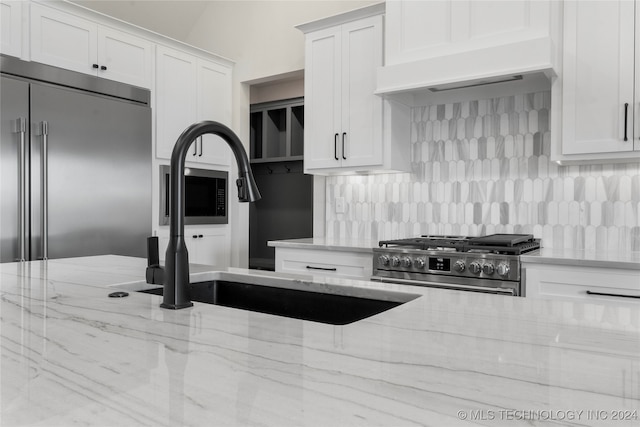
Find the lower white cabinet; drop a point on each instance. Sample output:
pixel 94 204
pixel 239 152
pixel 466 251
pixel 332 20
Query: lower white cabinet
pixel 578 283
pixel 209 246
pixel 354 265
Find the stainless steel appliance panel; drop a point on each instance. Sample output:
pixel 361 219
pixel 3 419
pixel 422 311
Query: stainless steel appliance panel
pixel 14 115
pixel 98 184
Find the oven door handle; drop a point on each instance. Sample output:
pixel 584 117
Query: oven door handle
pixel 454 286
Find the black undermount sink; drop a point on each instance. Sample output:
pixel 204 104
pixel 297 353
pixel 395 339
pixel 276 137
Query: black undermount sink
pixel 298 304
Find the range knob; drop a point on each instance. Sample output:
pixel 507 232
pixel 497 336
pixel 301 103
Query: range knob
pixel 475 267
pixel 503 269
pixel 395 261
pixel 419 263
pixel 459 266
pixel 383 260
pixel 406 262
pixel 488 268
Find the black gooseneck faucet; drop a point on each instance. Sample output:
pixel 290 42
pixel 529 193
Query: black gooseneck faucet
pixel 176 293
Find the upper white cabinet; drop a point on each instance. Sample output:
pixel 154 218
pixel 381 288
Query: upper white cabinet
pixel 600 109
pixel 344 120
pixel 191 89
pixel 74 43
pixel 441 44
pixel 11 28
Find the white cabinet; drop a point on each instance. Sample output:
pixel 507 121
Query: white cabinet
pixel 190 89
pixel 209 246
pixel 74 43
pixel 600 110
pixel 11 28
pixel 417 30
pixel 354 265
pixel 344 119
pixel 579 283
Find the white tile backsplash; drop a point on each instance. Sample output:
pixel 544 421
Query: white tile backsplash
pixel 482 167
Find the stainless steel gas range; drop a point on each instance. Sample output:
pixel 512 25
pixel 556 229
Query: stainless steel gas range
pixel 489 264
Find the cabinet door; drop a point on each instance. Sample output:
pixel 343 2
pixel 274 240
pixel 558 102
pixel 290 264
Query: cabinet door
pixel 598 77
pixel 322 87
pixel 361 109
pixel 175 98
pixel 214 103
pixel 11 28
pixel 63 40
pixel 127 58
pixel 213 248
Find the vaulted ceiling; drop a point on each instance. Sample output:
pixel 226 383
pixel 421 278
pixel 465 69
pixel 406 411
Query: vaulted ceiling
pixel 174 18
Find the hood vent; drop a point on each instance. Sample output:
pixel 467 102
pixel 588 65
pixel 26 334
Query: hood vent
pixel 512 64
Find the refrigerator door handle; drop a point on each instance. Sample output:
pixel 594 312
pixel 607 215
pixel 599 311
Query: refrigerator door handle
pixel 44 128
pixel 21 129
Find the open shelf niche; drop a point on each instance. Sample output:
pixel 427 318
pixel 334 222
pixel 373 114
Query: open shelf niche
pixel 277 131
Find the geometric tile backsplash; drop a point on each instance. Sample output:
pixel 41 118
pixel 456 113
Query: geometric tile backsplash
pixel 482 167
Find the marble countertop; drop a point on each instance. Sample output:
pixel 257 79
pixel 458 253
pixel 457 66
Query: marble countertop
pixel 610 259
pixel 70 355
pixel 351 245
pixel 584 258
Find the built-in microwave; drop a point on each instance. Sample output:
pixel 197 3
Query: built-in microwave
pixel 205 196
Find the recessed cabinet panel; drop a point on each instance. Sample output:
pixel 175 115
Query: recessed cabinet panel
pixel 11 28
pixel 361 136
pixel 125 58
pixel 322 92
pixel 63 40
pixel 214 103
pixel 175 99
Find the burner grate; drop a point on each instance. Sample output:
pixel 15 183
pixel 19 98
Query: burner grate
pixel 513 244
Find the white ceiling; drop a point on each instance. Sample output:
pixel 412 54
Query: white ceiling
pixel 174 18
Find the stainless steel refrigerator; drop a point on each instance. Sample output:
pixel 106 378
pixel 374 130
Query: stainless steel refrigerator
pixel 75 164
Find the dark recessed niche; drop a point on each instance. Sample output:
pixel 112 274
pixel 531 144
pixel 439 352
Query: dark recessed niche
pixel 277 131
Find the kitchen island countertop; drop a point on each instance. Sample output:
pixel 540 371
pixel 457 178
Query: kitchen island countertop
pixel 70 355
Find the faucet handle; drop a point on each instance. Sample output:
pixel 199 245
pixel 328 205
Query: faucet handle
pixel 153 253
pixel 154 273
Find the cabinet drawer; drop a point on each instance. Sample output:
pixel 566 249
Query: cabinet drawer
pixel 329 263
pixel 583 284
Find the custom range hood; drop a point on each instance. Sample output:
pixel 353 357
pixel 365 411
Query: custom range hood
pixel 466 54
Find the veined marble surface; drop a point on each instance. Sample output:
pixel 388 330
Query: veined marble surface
pixel 324 243
pixel 584 258
pixel 70 355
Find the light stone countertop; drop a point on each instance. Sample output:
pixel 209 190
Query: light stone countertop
pixel 349 245
pixel 70 355
pixel 584 258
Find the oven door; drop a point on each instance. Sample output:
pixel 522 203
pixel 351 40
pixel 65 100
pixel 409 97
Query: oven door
pixel 501 287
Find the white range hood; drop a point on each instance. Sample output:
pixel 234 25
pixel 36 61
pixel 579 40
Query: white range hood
pixel 459 59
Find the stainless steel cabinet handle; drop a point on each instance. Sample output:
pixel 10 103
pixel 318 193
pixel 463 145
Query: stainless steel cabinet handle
pixel 626 113
pixel 44 127
pixel 21 129
pixel 612 295
pixel 343 135
pixel 309 267
pixel 335 146
pixel 454 286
